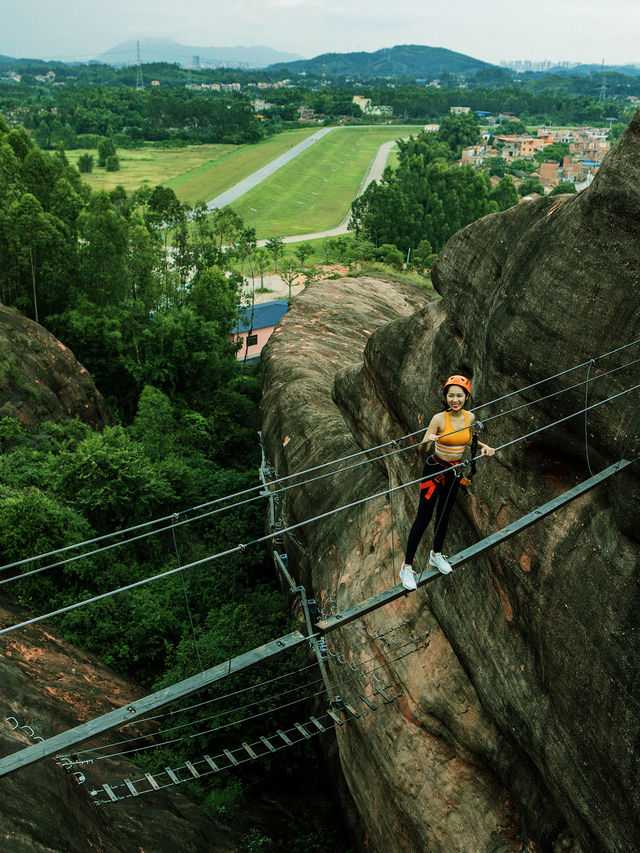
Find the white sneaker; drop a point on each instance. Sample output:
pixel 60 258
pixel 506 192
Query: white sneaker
pixel 408 577
pixel 440 562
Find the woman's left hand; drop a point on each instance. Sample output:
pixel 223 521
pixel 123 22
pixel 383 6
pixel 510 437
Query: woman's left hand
pixel 485 450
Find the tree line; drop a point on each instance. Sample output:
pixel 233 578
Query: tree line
pixel 420 204
pixel 97 102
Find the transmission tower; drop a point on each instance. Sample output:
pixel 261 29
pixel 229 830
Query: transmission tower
pixel 603 88
pixel 139 80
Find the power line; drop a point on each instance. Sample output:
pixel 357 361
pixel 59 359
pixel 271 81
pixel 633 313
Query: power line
pixel 286 478
pixel 239 548
pixel 250 718
pixel 120 716
pixel 227 711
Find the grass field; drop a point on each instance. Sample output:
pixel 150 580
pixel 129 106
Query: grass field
pixel 151 166
pixel 196 172
pixel 314 191
pixel 204 182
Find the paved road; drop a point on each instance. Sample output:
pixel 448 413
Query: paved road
pixel 239 189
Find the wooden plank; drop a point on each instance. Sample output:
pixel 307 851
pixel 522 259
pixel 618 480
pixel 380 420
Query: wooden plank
pixel 431 574
pixel 64 742
pixel 368 703
pixel 386 696
pixel 351 710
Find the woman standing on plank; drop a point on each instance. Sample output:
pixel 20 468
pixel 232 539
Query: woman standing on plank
pixel 451 431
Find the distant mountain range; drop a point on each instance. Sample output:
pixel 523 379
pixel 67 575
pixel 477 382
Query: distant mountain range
pixel 405 60
pixel 408 60
pixel 168 50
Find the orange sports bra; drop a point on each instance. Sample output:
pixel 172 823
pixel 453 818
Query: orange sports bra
pixel 451 445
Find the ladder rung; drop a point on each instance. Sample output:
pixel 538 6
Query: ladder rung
pixel 130 786
pixel 351 710
pixel 109 791
pixel 267 743
pixel 231 757
pixel 302 730
pixel 172 775
pixel 152 782
pixel 212 764
pixel 249 750
pixel 335 717
pixel 369 703
pixel 284 737
pixel 192 769
pixel 318 724
pixel 384 694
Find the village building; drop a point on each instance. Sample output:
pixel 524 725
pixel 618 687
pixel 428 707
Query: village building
pixel 252 334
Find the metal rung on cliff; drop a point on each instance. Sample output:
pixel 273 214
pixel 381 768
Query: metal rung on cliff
pixel 228 759
pixel 462 557
pixel 63 742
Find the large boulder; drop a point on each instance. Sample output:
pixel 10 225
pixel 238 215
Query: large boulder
pixel 40 378
pixel 46 687
pixel 518 724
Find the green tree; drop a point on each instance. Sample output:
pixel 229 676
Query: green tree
pixel 505 194
pixel 103 251
pixel 36 242
pixel 497 166
pixel 391 256
pixel 289 272
pixel 530 185
pixel 459 131
pixel 106 148
pixel 112 164
pixel 563 187
pixel 215 298
pixel 261 258
pixel 303 251
pixel 276 246
pixel 85 163
pixel 227 225
pixel 556 151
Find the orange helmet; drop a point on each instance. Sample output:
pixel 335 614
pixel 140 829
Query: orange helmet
pixel 462 381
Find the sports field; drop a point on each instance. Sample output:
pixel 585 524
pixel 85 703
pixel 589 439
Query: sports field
pixel 315 190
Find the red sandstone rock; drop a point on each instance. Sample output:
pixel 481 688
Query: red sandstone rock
pixel 40 378
pixel 518 727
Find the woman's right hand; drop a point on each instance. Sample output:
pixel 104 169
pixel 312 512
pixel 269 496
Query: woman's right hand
pixel 429 436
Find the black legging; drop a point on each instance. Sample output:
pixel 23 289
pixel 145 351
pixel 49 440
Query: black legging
pixel 441 491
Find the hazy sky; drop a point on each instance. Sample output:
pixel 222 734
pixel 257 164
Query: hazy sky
pixel 575 30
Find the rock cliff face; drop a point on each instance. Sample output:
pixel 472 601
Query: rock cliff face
pixel 47 687
pixel 518 726
pixel 40 378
